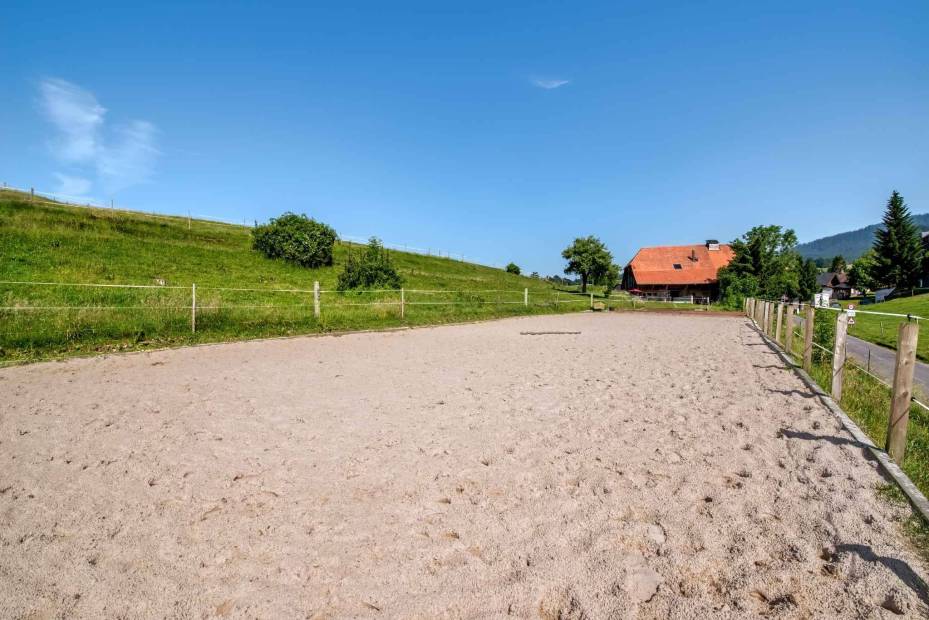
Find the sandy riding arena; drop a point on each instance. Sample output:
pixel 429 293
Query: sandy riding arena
pixel 649 466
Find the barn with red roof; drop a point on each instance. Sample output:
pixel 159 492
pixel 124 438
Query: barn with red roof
pixel 677 270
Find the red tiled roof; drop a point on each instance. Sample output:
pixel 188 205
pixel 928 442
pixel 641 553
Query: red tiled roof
pixel 656 265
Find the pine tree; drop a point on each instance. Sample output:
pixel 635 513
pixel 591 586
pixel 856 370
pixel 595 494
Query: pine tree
pixel 898 246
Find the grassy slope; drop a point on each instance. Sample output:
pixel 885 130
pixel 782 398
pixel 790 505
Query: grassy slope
pixel 59 243
pixel 883 329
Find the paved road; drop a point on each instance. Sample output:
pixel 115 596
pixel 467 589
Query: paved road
pixel 881 361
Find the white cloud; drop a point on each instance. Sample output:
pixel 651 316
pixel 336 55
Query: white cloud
pixel 118 158
pixel 549 84
pixel 72 187
pixel 130 159
pixel 78 118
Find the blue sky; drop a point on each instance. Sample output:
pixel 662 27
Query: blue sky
pixel 500 130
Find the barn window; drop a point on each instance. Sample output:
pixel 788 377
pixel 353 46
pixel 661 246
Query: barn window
pixel 677 266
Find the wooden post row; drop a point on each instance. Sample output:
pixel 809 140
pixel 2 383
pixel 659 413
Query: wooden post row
pixel 838 356
pixel 903 391
pixel 808 338
pixel 777 326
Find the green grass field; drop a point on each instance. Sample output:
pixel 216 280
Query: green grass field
pixel 61 243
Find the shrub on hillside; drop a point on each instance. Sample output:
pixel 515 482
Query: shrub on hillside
pixel 370 268
pixel 297 239
pixel 513 268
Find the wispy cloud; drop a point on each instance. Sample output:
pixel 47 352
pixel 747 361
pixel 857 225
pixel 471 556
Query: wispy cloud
pixel 117 158
pixel 549 84
pixel 73 187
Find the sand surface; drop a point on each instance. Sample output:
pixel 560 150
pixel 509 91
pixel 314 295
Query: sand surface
pixel 651 466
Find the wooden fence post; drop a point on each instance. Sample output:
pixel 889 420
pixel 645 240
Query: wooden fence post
pixel 838 356
pixel 402 303
pixel 808 338
pixel 526 297
pixel 769 320
pixel 591 301
pixel 193 308
pixel 789 329
pixel 777 326
pixel 316 299
pixel 903 391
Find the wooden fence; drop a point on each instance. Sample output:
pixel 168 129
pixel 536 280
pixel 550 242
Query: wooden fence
pixel 763 312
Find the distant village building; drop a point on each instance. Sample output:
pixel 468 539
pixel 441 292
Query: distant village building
pixel 835 285
pixel 677 270
pixel 882 293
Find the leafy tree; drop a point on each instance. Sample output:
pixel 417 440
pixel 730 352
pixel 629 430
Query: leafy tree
pixel 897 246
pixel 859 273
pixel 297 239
pixel 534 275
pixel 838 264
pixel 765 263
pixel 588 258
pixel 371 269
pixel 610 279
pixel 512 268
pixel 807 279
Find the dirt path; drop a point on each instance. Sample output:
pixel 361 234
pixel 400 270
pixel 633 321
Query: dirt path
pixel 648 467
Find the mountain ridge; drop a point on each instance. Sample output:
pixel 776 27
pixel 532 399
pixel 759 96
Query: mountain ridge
pixel 850 244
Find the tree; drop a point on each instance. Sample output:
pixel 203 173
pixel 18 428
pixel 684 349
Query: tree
pixel 765 263
pixel 372 269
pixel 610 279
pixel 859 274
pixel 297 239
pixel 807 279
pixel 838 264
pixel 534 275
pixel 898 246
pixel 588 258
pixel 513 268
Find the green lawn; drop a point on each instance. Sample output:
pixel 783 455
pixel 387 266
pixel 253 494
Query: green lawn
pixel 60 243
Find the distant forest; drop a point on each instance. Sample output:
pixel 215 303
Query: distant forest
pixel 851 244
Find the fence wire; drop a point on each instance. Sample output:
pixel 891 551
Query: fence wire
pixel 848 360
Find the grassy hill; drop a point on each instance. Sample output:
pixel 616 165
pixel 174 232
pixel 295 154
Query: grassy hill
pixel 42 242
pixel 850 244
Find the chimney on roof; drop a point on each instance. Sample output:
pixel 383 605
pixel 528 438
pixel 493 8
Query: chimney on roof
pixel 712 245
pixel 693 255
